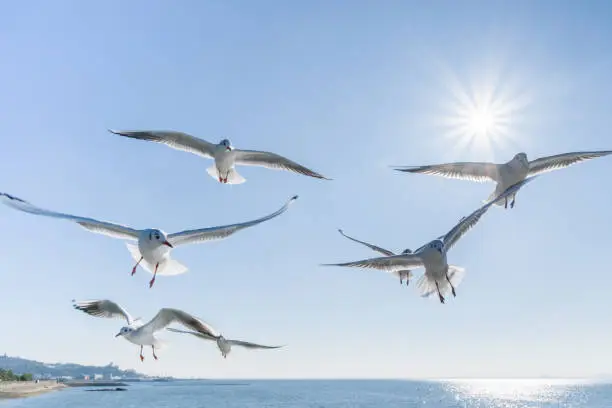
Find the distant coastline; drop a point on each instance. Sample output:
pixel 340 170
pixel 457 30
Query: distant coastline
pixel 21 389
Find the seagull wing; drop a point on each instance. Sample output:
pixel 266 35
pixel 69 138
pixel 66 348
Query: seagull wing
pixel 250 345
pixel 167 316
pixel 374 247
pixel 176 140
pixel 273 161
pixel 200 335
pixel 467 223
pixel 386 263
pixel 550 163
pixel 214 233
pixel 100 227
pixel 479 172
pixel 103 308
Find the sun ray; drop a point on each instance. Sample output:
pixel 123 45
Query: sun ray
pixel 480 116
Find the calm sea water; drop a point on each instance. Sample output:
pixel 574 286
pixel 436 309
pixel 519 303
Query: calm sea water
pixel 337 394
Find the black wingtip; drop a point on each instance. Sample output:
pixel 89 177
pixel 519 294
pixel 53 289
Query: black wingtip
pixel 295 197
pixel 12 197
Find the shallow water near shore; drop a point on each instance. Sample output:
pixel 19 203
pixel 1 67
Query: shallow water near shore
pixel 339 393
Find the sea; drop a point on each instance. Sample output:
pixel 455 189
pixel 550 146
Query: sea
pixel 333 393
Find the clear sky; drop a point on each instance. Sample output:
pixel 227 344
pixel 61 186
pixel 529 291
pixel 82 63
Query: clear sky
pixel 346 88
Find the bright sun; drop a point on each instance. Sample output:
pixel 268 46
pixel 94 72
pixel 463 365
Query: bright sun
pixel 481 118
pixel 481 121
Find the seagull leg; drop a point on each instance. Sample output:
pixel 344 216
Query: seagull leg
pixel 506 204
pixel 513 200
pixel 136 266
pixel 141 356
pixel 154 356
pixel 451 285
pixel 439 294
pixel 154 274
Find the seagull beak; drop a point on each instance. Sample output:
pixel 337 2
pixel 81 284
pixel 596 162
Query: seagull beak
pixel 118 334
pixel 168 244
pixel 228 148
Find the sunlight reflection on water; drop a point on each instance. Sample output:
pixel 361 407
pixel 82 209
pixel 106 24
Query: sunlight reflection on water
pixel 511 393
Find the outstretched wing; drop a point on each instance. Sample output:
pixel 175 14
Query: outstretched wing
pixel 249 345
pixel 273 161
pixel 103 308
pixel 374 247
pixel 213 233
pixel 193 333
pixel 550 163
pixel 176 140
pixel 100 227
pixel 386 263
pixel 166 316
pixel 479 172
pixel 467 223
pixel 232 342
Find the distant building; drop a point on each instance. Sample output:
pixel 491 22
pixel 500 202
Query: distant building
pixel 98 377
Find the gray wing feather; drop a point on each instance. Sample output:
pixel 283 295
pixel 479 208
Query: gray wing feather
pixel 273 161
pixel 387 263
pixel 103 308
pixel 550 163
pixel 479 172
pixel 213 233
pixel 250 345
pixel 200 335
pixel 467 223
pixel 166 316
pixel 93 225
pixel 371 246
pixel 176 140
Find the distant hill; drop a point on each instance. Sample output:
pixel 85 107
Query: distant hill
pixel 45 370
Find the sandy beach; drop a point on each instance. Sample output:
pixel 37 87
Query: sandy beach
pixel 20 389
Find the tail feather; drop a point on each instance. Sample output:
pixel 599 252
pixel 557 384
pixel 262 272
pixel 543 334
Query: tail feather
pixel 233 177
pixel 169 268
pixel 427 286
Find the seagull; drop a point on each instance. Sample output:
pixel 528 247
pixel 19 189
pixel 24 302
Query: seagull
pixel 138 333
pixel 439 274
pixel 223 153
pixel 153 245
pixel 401 274
pixel 505 174
pixel 224 345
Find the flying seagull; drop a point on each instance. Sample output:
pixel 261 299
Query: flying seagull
pixel 154 245
pixel 138 333
pixel 401 274
pixel 224 345
pixel 439 274
pixel 505 174
pixel 224 155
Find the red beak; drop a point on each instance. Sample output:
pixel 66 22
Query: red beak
pixel 229 149
pixel 169 244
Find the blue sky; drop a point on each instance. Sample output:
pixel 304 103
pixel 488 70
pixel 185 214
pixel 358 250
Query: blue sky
pixel 346 88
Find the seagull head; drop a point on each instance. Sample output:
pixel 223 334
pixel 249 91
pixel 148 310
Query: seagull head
pixel 227 144
pixel 406 251
pixel 123 331
pixel 522 157
pixel 158 237
pixel 438 245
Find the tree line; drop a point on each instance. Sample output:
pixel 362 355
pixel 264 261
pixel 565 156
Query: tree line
pixel 8 375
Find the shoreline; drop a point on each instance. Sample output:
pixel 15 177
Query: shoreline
pixel 22 389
